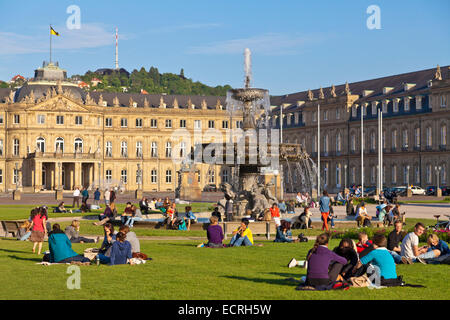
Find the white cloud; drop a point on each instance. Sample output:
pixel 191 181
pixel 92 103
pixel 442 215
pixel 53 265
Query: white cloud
pixel 88 36
pixel 269 44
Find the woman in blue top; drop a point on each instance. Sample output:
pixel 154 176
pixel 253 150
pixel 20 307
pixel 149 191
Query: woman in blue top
pixel 61 247
pixel 439 248
pixel 120 250
pixel 324 203
pixel 381 258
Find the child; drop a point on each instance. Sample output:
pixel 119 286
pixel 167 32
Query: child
pixel 214 234
pixel 242 235
pixel 120 250
pixel 284 233
pixel 24 232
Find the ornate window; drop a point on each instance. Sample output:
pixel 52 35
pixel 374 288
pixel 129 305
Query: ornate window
pixel 123 176
pixel 124 149
pixel 78 145
pixel 168 176
pixel 59 144
pixel 168 149
pixel 153 176
pixel 108 175
pixel 139 149
pixel 108 149
pixel 429 137
pixel 40 144
pixel 443 135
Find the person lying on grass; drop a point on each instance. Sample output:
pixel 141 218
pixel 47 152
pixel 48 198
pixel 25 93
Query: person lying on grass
pixel 120 250
pixel 324 266
pixel 381 258
pixel 105 250
pixel 284 233
pixel 214 234
pixel 61 247
pixel 106 216
pixel 242 236
pixel 73 233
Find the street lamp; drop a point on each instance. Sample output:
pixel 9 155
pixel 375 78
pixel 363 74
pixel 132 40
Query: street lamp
pixel 345 176
pixel 17 176
pixel 438 171
pixel 99 175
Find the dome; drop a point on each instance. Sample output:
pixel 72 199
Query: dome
pixel 40 89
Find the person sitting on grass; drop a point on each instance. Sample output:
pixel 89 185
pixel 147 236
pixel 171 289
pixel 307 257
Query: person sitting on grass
pixel 397 215
pixel 284 233
pixel 340 199
pixel 120 250
pixel 61 248
pixel 349 208
pixel 214 233
pixel 438 247
pixel 60 208
pixel 72 232
pixel 393 240
pixel 171 214
pixel 106 216
pixel 216 213
pixel 127 213
pixel 410 250
pixel 345 250
pixel 381 258
pixel 159 204
pixel 364 246
pixel 132 239
pixel 105 249
pixel 324 266
pixel 242 236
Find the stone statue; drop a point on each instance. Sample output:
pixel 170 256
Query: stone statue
pixel 347 89
pixel 321 95
pixel 333 91
pixel 175 103
pixel 116 101
pixel 310 95
pixel 438 74
pixel 161 102
pixel 146 104
pixel 203 104
pixel 260 202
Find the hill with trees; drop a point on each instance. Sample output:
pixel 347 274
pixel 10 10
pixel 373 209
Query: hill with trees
pixel 151 81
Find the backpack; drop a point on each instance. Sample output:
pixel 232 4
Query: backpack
pixel 302 238
pixel 367 223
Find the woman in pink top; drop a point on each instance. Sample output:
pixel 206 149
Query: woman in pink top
pixel 38 227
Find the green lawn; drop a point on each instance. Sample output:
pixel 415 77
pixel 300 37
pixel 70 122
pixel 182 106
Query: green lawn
pixel 179 270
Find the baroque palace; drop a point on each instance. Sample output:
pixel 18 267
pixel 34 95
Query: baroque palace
pixel 416 120
pixel 55 136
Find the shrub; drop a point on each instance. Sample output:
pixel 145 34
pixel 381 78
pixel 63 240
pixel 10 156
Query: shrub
pixel 353 233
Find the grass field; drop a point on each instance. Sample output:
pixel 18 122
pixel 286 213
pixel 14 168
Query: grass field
pixel 181 271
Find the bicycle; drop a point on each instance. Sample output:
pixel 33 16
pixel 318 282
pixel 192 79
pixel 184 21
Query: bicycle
pixel 441 224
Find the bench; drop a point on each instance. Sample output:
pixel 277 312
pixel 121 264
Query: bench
pixel 11 227
pixel 259 227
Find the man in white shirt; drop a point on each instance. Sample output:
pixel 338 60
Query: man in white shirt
pixel 299 199
pixel 410 250
pixel 107 196
pixel 76 197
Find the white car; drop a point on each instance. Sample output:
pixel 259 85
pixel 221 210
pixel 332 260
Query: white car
pixel 418 190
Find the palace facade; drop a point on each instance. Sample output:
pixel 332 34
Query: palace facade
pixel 54 135
pixel 416 120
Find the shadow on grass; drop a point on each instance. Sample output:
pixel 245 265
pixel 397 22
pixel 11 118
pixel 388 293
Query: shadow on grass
pixel 17 251
pixel 287 275
pixel 26 259
pixel 285 282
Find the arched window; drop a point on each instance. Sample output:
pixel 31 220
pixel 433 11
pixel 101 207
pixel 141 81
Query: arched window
pixel 124 149
pixel 59 144
pixel 394 139
pixel 405 139
pixel 339 142
pixel 182 149
pixel 40 144
pixel 338 175
pixel 429 137
pixel 154 149
pixel 373 141
pixel 353 142
pixel 78 145
pixel 325 144
pixel 211 176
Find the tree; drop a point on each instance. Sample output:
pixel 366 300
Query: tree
pixel 182 73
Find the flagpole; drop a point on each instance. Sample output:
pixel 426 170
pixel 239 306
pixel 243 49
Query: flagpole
pixel 50 43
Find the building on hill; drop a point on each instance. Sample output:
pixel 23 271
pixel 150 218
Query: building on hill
pixel 416 120
pixel 17 78
pixel 55 135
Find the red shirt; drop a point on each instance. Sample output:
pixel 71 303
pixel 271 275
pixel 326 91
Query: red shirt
pixel 38 223
pixel 275 212
pixel 361 247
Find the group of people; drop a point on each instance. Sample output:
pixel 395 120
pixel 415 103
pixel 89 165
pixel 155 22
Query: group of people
pixel 349 261
pixel 242 236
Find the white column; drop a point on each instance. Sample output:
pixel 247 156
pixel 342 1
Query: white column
pixel 318 150
pixel 362 152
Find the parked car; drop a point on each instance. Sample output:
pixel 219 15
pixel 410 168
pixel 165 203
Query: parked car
pixel 431 190
pixel 416 190
pixel 445 190
pixel 400 191
pixel 210 188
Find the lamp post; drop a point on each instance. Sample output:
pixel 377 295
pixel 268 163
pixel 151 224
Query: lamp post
pixel 99 175
pixel 345 176
pixel 438 172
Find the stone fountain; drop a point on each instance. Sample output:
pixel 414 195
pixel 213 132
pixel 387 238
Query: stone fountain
pixel 249 192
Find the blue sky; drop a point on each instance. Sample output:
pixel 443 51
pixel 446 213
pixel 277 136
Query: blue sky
pixel 296 45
